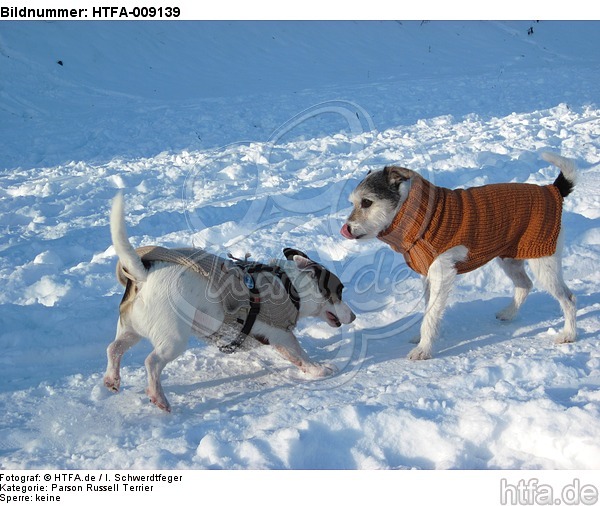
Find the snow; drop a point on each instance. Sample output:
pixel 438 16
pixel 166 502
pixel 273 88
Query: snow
pixel 248 137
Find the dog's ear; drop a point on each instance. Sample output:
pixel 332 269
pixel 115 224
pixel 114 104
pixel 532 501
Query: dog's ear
pixel 396 175
pixel 303 263
pixel 302 260
pixel 289 253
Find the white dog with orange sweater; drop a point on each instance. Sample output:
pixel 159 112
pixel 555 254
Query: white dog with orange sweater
pixel 443 232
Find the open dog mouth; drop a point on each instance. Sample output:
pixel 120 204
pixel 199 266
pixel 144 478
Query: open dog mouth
pixel 333 320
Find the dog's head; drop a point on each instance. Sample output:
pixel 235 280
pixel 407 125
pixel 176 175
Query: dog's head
pixel 376 200
pixel 320 290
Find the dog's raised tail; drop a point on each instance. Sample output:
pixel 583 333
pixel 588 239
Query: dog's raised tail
pixel 125 251
pixel 565 182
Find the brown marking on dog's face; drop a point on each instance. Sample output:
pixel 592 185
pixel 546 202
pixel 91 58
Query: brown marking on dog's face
pixel 397 175
pixel 329 285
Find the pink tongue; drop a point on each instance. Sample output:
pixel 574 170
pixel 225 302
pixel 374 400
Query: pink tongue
pixel 346 232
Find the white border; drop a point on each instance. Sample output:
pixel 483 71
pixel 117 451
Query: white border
pixel 344 10
pixel 348 488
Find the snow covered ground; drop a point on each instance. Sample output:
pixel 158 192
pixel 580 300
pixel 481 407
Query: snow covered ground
pixel 248 137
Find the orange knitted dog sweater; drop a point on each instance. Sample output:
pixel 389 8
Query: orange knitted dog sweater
pixel 507 220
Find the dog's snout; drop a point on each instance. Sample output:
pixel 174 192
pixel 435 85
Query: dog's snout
pixel 349 315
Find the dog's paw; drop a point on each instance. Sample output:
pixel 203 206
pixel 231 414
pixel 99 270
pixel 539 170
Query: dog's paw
pixel 419 354
pixel 415 340
pixel 564 338
pixel 113 383
pixel 160 401
pixel 507 314
pixel 315 370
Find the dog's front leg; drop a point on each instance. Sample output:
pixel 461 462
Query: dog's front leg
pixel 417 339
pixel 440 277
pixel 286 344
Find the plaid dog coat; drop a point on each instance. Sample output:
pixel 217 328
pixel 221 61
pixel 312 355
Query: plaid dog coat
pixel 246 291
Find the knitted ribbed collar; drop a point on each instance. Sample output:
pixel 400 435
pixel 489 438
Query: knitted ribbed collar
pixel 413 217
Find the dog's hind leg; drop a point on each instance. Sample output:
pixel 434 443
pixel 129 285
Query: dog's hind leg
pixel 125 339
pixel 515 270
pixel 440 277
pixel 548 272
pixel 166 350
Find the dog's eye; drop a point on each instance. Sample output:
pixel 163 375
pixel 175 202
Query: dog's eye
pixel 364 203
pixel 339 291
